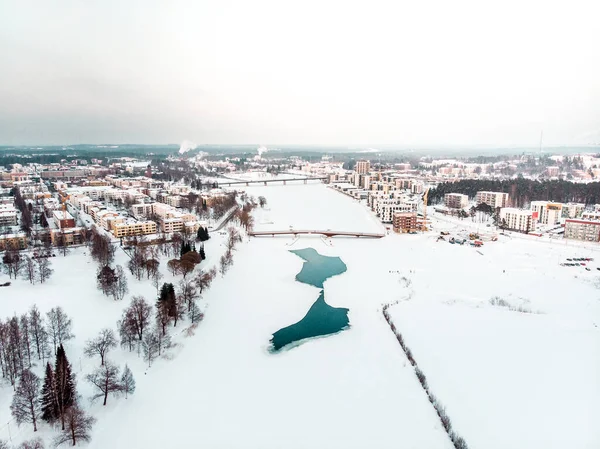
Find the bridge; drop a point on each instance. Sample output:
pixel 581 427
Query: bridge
pixel 270 181
pixel 327 233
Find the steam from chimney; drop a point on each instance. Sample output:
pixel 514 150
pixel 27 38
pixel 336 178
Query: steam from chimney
pixel 186 146
pixel 262 149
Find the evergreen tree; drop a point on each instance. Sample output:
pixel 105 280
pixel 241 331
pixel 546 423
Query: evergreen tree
pixel 65 384
pixel 48 400
pixel 201 252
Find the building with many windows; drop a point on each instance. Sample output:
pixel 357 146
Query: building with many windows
pixel 493 199
pixel 456 200
pixel 13 241
pixel 362 167
pixel 131 228
pixel 405 222
pixel 546 213
pixel 588 230
pixel 8 215
pixel 517 219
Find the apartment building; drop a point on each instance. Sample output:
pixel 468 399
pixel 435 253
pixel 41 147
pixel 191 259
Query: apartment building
pixel 573 210
pixel 362 167
pixel 8 215
pixel 63 219
pixel 132 228
pixel 493 199
pixel 13 241
pixel 405 222
pixel 546 213
pixel 386 208
pixel 588 230
pixel 517 219
pixel 142 209
pixel 67 237
pixel 456 200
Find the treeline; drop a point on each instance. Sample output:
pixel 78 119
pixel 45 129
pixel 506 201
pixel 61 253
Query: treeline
pixel 34 269
pixel 522 191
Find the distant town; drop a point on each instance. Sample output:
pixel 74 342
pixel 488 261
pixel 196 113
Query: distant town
pixel 129 197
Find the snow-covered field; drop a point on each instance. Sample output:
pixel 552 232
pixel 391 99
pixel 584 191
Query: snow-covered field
pixel 508 379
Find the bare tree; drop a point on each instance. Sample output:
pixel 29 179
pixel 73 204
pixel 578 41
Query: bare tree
pixel 174 266
pixel 225 262
pixel 195 314
pixel 25 406
pixel 127 381
pixel 36 443
pixel 100 345
pixel 150 345
pixel 13 263
pixel 106 380
pixel 44 270
pixel 187 293
pixel 59 326
pixel 78 426
pixel 262 201
pixel 138 315
pixel 151 267
pixel 156 280
pixel 36 330
pixel 137 262
pixel 120 288
pixel 30 269
pixel 204 278
pixel 25 339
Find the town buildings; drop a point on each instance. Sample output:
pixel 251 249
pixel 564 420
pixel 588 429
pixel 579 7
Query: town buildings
pixel 588 230
pixel 456 200
pixel 363 167
pixel 517 219
pixel 493 199
pixel 546 213
pixel 405 222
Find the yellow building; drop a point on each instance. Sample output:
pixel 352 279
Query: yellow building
pixel 134 228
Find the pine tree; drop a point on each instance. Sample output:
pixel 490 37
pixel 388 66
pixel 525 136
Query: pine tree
pixel 65 384
pixel 202 253
pixel 48 400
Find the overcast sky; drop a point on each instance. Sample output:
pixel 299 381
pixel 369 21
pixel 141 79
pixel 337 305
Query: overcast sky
pixel 323 72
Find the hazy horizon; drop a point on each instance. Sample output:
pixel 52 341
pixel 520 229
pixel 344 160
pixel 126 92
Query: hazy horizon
pixel 321 73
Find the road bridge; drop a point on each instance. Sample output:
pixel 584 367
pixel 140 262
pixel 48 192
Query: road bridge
pixel 271 181
pixel 327 233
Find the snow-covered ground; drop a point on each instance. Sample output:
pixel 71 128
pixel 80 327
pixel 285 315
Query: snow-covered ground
pixel 507 379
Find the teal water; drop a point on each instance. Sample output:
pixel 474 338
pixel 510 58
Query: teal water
pixel 321 319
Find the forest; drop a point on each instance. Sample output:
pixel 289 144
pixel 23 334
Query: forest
pixel 522 191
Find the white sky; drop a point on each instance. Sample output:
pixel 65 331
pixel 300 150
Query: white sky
pixel 331 72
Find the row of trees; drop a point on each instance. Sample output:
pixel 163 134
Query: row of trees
pixel 233 238
pixel 33 269
pixel 145 328
pixel 57 400
pixel 31 336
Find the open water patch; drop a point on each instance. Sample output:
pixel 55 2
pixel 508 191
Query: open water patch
pixel 321 319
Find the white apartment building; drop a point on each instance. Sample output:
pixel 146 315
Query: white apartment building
pixel 385 208
pixel 8 215
pixel 573 210
pixel 142 209
pixel 493 199
pixel 456 200
pixel 546 213
pixel 517 219
pixel 588 230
